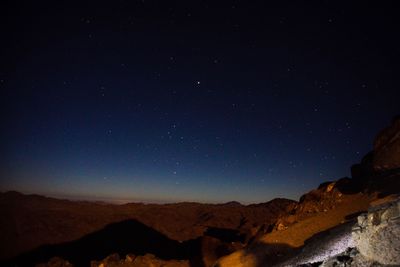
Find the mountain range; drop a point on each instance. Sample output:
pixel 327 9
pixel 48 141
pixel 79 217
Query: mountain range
pixel 39 230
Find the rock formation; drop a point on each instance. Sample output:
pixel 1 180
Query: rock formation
pixel 387 147
pixel 377 234
pixel 376 240
pixel 385 155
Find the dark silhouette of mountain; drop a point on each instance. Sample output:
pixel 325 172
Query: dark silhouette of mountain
pixel 129 236
pixel 225 235
pixel 233 204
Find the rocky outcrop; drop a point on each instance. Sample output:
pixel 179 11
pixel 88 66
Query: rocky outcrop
pixel 375 240
pixel 377 234
pixel 326 197
pixel 387 147
pixel 385 155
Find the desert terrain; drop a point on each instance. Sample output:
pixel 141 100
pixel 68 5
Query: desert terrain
pixel 54 232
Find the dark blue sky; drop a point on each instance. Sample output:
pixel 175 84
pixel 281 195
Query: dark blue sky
pixel 174 101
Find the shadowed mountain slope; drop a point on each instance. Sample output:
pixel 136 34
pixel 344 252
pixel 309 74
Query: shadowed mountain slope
pixel 30 221
pixel 124 237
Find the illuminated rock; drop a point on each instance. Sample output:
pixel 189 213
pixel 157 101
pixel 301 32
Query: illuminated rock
pixel 377 234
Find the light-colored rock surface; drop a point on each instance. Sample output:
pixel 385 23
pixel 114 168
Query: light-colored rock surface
pixel 377 234
pixel 350 258
pixel 323 246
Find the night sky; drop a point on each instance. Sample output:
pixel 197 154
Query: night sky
pixel 210 101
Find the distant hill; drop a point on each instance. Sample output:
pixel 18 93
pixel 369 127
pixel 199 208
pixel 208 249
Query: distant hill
pixel 29 221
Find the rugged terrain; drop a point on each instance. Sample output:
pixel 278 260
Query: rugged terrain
pixel 30 221
pixel 317 230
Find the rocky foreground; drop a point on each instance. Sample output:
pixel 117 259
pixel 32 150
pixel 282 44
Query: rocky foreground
pixel 348 222
pixel 374 240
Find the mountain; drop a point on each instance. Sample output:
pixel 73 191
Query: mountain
pixel 29 222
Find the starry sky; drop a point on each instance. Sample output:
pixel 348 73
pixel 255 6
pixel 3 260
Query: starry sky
pixel 210 101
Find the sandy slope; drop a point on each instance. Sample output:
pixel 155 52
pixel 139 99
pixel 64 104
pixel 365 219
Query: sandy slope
pixel 277 245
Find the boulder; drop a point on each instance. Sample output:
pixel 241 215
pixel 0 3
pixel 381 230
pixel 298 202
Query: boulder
pixel 377 234
pixel 387 147
pixel 280 227
pixel 130 257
